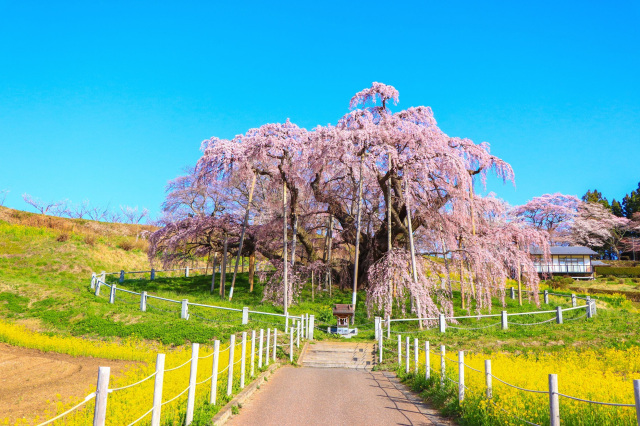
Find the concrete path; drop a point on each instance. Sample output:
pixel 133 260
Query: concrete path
pixel 334 396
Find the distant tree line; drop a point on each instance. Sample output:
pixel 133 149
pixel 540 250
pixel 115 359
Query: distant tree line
pixel 86 210
pixel 629 205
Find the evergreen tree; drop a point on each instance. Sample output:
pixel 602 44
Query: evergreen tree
pixel 616 208
pixel 595 196
pixel 631 203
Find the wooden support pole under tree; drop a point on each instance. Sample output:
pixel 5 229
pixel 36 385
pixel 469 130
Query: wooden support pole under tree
pixel 223 268
pixel 244 228
pixel 294 239
pixel 284 249
pixel 357 252
pixel 213 273
pixel 252 269
pixel 519 284
pixel 412 249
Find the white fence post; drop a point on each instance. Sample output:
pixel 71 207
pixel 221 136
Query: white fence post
pixel 443 366
pixel 243 359
pixel 97 292
pixel 260 348
pixel 594 308
pixel 93 281
pixel 312 324
pixel 574 302
pixel 112 294
pixel 546 297
pixel 121 280
pixel 380 347
pixel 232 345
pixel 308 336
pixel 443 324
pixel 376 327
pixel 253 352
pixel 416 354
pixel 504 320
pixel 460 376
pixel 286 322
pixel 275 343
pixel 157 390
pixel 245 315
pixel 399 350
pixel 184 311
pixel 153 274
pixel 513 295
pixel 213 397
pixel 427 361
pixel 267 348
pixel 406 355
pixel 588 307
pixel 554 404
pixel 487 376
pixel 636 397
pixel 299 323
pixel 193 374
pixel 559 314
pixel 143 301
pixel 388 327
pixel 102 391
pixel 291 344
pixel 186 272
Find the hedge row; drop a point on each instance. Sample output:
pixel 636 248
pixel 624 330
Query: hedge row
pixel 618 272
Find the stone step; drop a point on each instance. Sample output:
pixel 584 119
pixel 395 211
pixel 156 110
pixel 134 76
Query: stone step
pixel 339 355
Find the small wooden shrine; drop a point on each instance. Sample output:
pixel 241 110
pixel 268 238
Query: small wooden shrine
pixel 344 314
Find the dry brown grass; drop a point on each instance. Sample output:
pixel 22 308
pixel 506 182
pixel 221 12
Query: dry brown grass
pixel 75 226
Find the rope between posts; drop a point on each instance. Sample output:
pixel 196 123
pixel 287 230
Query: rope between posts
pixel 474 328
pixel 205 380
pixel 223 370
pixel 176 397
pixel 141 417
pixel 514 416
pixel 576 318
pixel 132 385
pixel 180 366
pixel 206 356
pixel 614 404
pixel 533 323
pixel 516 387
pixel 471 368
pixel 86 399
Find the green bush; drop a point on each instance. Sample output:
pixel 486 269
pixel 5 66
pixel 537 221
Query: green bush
pixel 561 282
pixel 618 272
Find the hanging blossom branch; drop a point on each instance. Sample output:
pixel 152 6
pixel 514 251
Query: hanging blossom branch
pixel 394 271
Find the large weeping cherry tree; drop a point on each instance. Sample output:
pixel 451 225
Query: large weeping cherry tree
pixel 396 190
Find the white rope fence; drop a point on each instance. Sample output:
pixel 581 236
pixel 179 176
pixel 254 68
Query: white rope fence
pixel 554 394
pixel 258 350
pixel 99 280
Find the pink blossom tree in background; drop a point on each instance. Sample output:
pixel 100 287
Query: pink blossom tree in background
pixel 553 213
pixel 596 227
pixel 406 179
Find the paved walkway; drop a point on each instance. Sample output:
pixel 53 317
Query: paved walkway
pixel 334 396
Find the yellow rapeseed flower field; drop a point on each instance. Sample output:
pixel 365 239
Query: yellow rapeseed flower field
pixel 604 375
pixel 127 405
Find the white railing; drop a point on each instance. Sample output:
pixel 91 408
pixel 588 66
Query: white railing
pixel 262 354
pixel 551 268
pixel 98 281
pixel 444 322
pixel 554 402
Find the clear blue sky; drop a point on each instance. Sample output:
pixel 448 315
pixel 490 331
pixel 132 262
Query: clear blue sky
pixel 107 100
